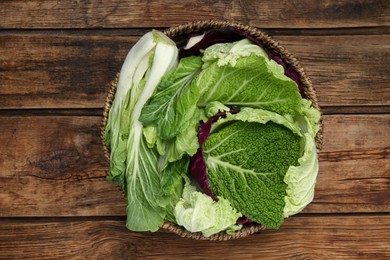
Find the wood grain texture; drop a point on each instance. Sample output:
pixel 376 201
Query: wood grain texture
pixel 344 237
pixel 345 70
pixel 56 61
pixel 55 166
pixel 130 13
pixel 354 161
pixel 49 71
pixel 56 72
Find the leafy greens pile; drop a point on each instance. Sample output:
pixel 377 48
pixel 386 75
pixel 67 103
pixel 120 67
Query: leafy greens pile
pixel 210 139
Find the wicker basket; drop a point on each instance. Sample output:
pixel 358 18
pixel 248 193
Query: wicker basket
pixel 181 31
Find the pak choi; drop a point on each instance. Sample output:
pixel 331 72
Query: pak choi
pixel 133 164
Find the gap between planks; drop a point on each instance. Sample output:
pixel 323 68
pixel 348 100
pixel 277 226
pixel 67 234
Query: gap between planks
pixel 369 30
pixel 326 110
pixel 50 219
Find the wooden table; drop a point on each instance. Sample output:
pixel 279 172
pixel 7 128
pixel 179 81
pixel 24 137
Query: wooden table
pixel 56 61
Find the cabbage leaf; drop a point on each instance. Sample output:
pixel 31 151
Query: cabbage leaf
pixel 197 212
pixel 174 103
pixel 247 160
pixel 237 74
pixel 171 116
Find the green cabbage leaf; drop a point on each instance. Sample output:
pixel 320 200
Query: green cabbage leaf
pixel 171 116
pixel 197 212
pixel 247 155
pixel 264 163
pixel 240 74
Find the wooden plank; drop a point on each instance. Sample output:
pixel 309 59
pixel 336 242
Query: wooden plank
pixel 345 237
pixel 58 72
pixel 54 166
pixel 354 163
pixel 120 14
pixel 49 71
pixel 345 70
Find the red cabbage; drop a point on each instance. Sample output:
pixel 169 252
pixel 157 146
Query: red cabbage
pixel 197 163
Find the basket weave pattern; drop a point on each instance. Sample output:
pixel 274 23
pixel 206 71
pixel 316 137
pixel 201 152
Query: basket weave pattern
pixel 270 44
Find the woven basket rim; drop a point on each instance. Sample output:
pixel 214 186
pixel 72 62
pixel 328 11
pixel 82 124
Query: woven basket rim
pixel 269 43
